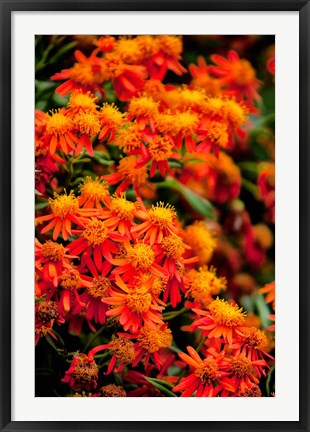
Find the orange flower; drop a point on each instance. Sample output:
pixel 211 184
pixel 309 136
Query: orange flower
pixel 237 75
pixel 206 376
pixel 127 79
pixel 87 74
pixel 269 289
pixel 221 320
pixel 159 221
pixel 82 373
pixel 167 57
pixel 65 211
pixel 95 243
pixel 59 132
pixel 134 305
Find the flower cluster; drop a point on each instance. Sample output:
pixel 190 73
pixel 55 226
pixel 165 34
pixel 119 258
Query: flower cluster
pixel 149 270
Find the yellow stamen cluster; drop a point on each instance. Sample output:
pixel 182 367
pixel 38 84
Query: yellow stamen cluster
pixel 241 365
pixel 171 45
pixel 87 73
pixel 218 134
pixel 62 205
pixel 88 123
pixel 226 314
pixel 128 138
pixel 100 287
pixel 140 300
pixel 94 189
pixel 150 283
pixel 204 283
pixel 160 148
pixel 255 338
pixel 111 116
pixel 162 215
pixel 173 247
pixel 70 279
pixel 82 101
pixel 112 390
pixel 142 106
pixel 207 370
pixel 58 124
pixel 123 349
pixel 122 208
pixel 153 339
pixel 46 311
pixel 243 72
pixel 112 66
pixel 128 50
pixel 201 240
pixel 148 45
pixel 141 256
pixel 127 169
pixel 186 123
pixel 53 251
pixel 95 232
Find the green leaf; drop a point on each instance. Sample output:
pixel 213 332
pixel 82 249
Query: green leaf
pixel 198 203
pixel 263 310
pixel 268 380
pixel 62 51
pixel 41 205
pixel 161 385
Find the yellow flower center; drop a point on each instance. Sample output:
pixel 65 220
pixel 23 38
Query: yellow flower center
pixel 217 133
pixel 226 314
pixel 129 137
pixel 64 204
pixel 88 123
pixel 94 189
pixel 173 247
pixel 123 349
pixel 241 365
pixel 95 232
pixel 202 284
pixel 70 279
pixel 58 123
pixel 82 101
pixel 255 338
pixel 243 73
pixel 201 240
pixel 171 45
pixel 186 123
pixel 127 169
pixel 148 45
pixel 52 250
pixel 207 370
pixel 162 215
pixel 235 112
pixel 128 50
pixel 160 148
pixel 153 339
pixel 141 256
pixel 122 208
pixel 139 300
pixel 111 116
pixel 150 283
pixel 142 106
pixel 112 65
pixel 87 74
pixel 100 287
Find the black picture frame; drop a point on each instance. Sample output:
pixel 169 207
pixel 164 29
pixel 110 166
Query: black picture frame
pixel 7 7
